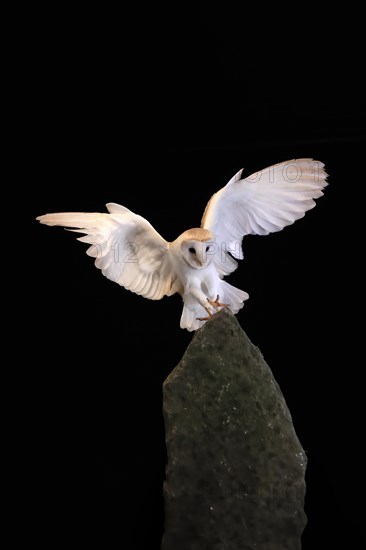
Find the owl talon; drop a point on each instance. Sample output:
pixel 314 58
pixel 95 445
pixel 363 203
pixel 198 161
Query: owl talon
pixel 216 304
pixel 209 315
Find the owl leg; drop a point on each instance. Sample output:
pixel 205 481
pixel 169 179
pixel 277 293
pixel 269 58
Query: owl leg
pixel 216 303
pixel 209 315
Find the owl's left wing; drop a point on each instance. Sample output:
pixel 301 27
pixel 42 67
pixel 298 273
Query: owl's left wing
pixel 126 248
pixel 262 203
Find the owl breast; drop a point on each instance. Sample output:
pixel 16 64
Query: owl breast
pixel 204 279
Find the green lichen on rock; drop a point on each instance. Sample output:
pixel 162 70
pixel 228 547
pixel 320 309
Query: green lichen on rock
pixel 235 478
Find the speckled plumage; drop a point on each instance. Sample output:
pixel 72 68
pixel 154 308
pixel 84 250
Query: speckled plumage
pixel 196 234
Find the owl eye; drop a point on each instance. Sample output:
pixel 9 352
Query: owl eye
pixel 207 248
pixel 192 250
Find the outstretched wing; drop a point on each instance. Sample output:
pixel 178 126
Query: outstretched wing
pixel 126 248
pixel 262 203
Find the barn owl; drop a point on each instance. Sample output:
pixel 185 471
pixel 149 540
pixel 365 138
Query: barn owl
pixel 129 251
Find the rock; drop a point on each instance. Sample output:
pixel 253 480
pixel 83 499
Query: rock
pixel 235 478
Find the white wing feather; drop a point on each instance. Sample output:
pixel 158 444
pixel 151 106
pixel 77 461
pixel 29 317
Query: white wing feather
pixel 126 248
pixel 262 203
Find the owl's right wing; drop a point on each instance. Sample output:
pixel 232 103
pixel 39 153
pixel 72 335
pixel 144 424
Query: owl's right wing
pixel 126 248
pixel 259 204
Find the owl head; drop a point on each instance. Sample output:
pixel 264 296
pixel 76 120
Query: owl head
pixel 196 247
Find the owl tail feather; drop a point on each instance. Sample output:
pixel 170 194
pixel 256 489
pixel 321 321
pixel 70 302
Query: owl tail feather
pixel 230 295
pixel 190 315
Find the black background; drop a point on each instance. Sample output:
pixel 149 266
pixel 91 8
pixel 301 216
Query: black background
pixel 156 109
